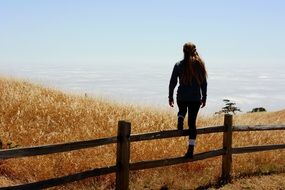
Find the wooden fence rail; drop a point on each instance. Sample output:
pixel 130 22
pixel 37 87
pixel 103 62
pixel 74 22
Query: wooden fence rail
pixel 55 148
pixel 123 165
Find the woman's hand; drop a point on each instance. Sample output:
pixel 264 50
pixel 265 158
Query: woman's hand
pixel 203 104
pixel 171 103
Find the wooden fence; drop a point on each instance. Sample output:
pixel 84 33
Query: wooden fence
pixel 123 165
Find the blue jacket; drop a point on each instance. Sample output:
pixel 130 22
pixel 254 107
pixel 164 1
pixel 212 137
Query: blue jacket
pixel 189 92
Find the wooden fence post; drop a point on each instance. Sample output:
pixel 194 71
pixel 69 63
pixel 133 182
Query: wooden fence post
pixel 227 145
pixel 123 155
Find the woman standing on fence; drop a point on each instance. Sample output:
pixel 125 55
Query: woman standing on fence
pixel 192 90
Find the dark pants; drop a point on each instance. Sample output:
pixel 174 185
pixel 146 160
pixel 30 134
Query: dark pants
pixel 193 109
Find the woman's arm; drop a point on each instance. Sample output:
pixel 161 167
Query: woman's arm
pixel 204 92
pixel 172 84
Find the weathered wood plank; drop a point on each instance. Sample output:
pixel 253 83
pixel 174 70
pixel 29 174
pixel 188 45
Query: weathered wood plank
pixel 174 133
pixel 54 148
pixel 174 161
pixel 227 145
pixel 65 147
pixel 123 155
pixel 62 180
pixel 258 127
pixel 249 149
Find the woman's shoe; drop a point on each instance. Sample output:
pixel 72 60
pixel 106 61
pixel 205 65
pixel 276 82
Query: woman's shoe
pixel 189 153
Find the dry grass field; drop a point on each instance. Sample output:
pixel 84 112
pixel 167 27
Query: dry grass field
pixel 34 115
pixel 262 182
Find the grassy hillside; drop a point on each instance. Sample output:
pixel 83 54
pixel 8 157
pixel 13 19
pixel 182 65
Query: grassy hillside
pixel 259 182
pixel 33 115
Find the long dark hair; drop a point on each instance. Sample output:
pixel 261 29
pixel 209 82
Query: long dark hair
pixel 194 66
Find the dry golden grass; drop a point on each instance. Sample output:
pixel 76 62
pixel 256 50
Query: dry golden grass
pixel 33 115
pixel 266 182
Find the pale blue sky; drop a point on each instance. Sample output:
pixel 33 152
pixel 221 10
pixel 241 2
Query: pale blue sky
pixel 240 32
